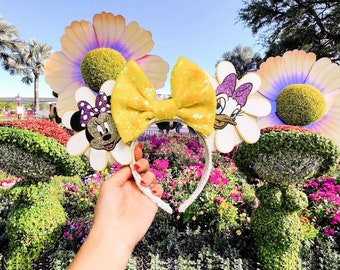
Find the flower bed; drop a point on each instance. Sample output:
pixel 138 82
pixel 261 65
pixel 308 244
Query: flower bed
pixel 214 231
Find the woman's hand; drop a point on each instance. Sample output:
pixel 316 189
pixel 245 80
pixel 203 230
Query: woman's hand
pixel 122 216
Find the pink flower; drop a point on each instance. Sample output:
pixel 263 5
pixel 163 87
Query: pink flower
pixel 336 219
pixel 219 200
pixel 329 231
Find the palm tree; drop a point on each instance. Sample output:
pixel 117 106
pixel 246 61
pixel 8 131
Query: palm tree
pixel 8 39
pixel 243 58
pixel 28 61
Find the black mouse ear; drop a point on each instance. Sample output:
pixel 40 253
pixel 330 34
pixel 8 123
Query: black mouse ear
pixel 75 122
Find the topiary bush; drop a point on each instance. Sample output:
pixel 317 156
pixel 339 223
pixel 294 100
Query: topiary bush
pixel 283 156
pixel 24 164
pixel 287 155
pixel 37 154
pixel 34 224
pixel 277 229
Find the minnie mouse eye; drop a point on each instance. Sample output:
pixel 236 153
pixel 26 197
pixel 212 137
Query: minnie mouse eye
pixel 107 127
pixel 220 105
pixel 100 130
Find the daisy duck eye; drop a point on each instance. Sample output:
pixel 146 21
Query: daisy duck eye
pixel 235 113
pixel 220 106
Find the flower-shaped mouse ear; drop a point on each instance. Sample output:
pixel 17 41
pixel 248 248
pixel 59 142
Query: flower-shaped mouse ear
pixel 96 135
pixel 95 52
pixel 134 108
pixel 238 107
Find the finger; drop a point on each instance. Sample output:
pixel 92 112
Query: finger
pixel 157 190
pixel 120 177
pixel 142 165
pixel 138 152
pixel 148 179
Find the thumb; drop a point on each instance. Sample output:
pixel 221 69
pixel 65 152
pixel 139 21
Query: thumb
pixel 120 177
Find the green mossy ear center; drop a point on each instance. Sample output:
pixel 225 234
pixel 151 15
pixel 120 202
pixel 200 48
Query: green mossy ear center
pixel 300 105
pixel 100 65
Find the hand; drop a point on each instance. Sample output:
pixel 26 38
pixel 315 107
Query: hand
pixel 121 204
pixel 122 216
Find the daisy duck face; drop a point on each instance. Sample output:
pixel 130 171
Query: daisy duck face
pixel 96 134
pixel 230 101
pixel 237 109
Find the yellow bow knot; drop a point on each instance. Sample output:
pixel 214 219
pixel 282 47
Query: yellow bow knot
pixel 134 105
pixel 164 109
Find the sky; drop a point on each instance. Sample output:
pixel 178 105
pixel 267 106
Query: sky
pixel 200 30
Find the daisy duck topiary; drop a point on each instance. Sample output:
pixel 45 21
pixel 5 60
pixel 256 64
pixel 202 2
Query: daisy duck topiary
pixel 297 142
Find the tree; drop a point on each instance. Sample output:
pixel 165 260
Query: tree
pixel 311 25
pixel 243 59
pixel 28 61
pixel 8 39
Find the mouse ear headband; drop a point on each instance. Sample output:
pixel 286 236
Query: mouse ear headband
pixel 134 108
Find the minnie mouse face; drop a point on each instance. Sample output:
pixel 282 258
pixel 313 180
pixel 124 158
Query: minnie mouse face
pixel 96 134
pixel 102 133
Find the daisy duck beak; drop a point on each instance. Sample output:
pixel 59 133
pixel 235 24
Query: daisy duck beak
pixel 222 120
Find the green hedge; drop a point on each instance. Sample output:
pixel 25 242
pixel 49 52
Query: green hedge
pixel 30 155
pixel 34 225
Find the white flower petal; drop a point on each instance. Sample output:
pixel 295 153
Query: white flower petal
pixel 98 159
pixel 225 139
pixel 66 119
pixel 77 144
pixel 248 128
pixel 324 75
pixel 79 38
pixel 122 153
pixel 155 68
pixel 84 93
pixel 257 106
pixel 136 41
pixel 66 102
pixel 60 72
pixel 109 28
pixel 252 78
pixel 210 141
pixel 107 87
pixel 223 69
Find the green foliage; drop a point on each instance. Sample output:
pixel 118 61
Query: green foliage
pixel 321 254
pixel 39 153
pixel 60 259
pixel 294 199
pixel 100 65
pixel 243 59
pixel 277 230
pixel 34 224
pixel 287 157
pixel 300 105
pixel 276 24
pixel 24 164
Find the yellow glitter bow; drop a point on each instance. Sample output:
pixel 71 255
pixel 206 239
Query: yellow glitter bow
pixel 134 106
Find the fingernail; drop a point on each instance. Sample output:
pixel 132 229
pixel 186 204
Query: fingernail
pixel 154 192
pixel 136 166
pixel 140 145
pixel 142 182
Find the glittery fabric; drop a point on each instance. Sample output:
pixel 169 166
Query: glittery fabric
pixel 134 106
